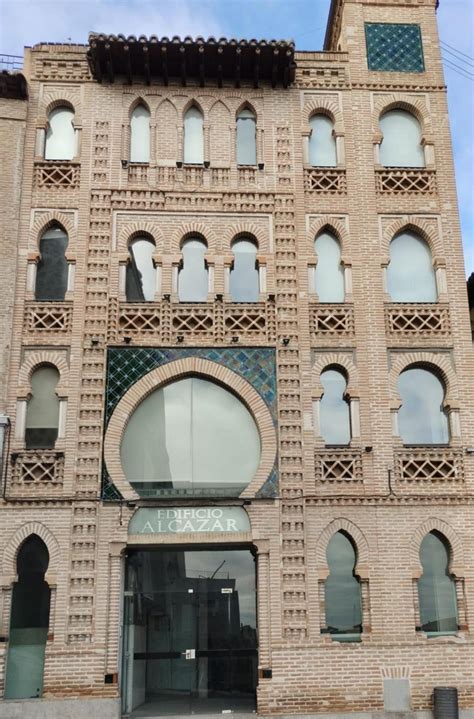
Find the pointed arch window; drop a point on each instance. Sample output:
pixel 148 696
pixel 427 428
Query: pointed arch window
pixel 140 280
pixel 322 143
pixel 193 137
pixel 421 417
pixel 342 596
pixel 60 136
pixel 329 273
pixel 193 280
pixel 52 269
pixel 436 588
pixel 42 413
pixel 334 411
pixel 246 137
pixel 244 275
pixel 140 134
pixel 401 144
pixel 410 274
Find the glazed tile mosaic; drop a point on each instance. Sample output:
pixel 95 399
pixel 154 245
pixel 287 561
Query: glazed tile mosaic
pixel 393 47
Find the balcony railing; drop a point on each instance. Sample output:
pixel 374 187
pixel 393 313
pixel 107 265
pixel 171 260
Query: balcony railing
pixel 433 465
pixel 36 470
pixel 420 320
pixel 331 320
pixel 338 465
pixel 48 318
pixel 406 181
pixel 325 181
pixel 57 174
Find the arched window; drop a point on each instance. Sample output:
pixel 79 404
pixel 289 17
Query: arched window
pixel 193 137
pixel 29 622
pixel 436 588
pixel 140 135
pixel 193 281
pixel 244 280
pixel 140 282
pixel 421 419
pixel 52 268
pixel 342 589
pixel 60 135
pixel 401 144
pixel 42 414
pixel 410 274
pixel 329 273
pixel 246 138
pixel 334 413
pixel 191 436
pixel 322 143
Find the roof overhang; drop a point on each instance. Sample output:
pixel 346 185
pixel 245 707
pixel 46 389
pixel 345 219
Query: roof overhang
pixel 13 86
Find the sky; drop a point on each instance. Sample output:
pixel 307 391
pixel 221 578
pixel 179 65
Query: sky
pixel 27 22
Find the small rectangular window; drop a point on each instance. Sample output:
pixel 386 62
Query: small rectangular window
pixel 394 47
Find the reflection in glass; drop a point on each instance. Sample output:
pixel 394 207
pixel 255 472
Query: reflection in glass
pixel 190 437
pixel 140 135
pixel 244 280
pixel 246 138
pixel 410 274
pixel 342 590
pixel 52 268
pixel 436 589
pixel 322 143
pixel 140 283
pixel 193 137
pixel 60 137
pixel 334 410
pixel 421 419
pixel 329 273
pixel 42 412
pixel 401 144
pixel 193 281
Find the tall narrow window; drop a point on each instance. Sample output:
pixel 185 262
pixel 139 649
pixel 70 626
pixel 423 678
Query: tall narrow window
pixel 246 138
pixel 334 410
pixel 29 621
pixel 42 415
pixel 52 268
pixel 436 588
pixel 193 137
pixel 140 135
pixel 141 273
pixel 342 590
pixel 193 279
pixel 322 143
pixel 329 273
pixel 244 280
pixel 60 135
pixel 401 143
pixel 421 419
pixel 410 274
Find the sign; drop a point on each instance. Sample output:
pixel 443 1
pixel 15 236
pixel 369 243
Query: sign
pixel 176 520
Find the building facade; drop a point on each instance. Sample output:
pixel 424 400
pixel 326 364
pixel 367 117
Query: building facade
pixel 237 392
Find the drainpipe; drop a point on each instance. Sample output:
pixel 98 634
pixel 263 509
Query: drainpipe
pixel 4 437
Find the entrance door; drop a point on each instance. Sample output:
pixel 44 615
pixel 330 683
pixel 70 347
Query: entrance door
pixel 190 642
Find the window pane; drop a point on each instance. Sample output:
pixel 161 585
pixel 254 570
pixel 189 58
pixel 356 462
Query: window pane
pixel 193 137
pixel 410 274
pixel 421 419
pixel 322 144
pixel 246 138
pixel 342 590
pixel 140 135
pixel 329 274
pixel 401 144
pixel 52 269
pixel 193 279
pixel 334 410
pixel 60 140
pixel 42 415
pixel 141 272
pixel 437 594
pixel 244 281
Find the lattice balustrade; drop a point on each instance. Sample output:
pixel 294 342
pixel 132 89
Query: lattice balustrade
pixel 408 320
pixel 247 176
pixel 137 319
pixel 57 174
pixel 193 175
pixel 191 319
pixel 331 320
pixel 435 465
pixel 37 468
pixel 249 321
pixel 220 176
pixel 48 318
pixel 325 181
pixel 138 174
pixel 165 176
pixel 338 465
pixel 406 181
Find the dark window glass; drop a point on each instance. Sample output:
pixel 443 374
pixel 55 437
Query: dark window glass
pixel 342 590
pixel 52 269
pixel 244 280
pixel 421 419
pixel 334 410
pixel 42 414
pixel 140 283
pixel 436 589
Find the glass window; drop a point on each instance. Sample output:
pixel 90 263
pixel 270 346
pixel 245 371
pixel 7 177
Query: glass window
pixel 322 143
pixel 421 418
pixel 246 138
pixel 329 273
pixel 52 269
pixel 410 274
pixel 140 135
pixel 60 136
pixel 401 143
pixel 141 272
pixel 244 280
pixel 342 590
pixel 193 137
pixel 334 410
pixel 436 589
pixel 190 437
pixel 42 414
pixel 193 279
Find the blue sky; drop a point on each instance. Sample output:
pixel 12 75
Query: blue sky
pixel 26 22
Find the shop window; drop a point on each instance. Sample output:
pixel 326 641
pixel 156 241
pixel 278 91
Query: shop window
pixel 140 135
pixel 52 268
pixel 193 281
pixel 29 621
pixel 193 137
pixel 436 588
pixel 401 144
pixel 334 410
pixel 322 143
pixel 42 414
pixel 421 418
pixel 244 277
pixel 140 283
pixel 410 274
pixel 342 598
pixel 329 273
pixel 246 138
pixel 60 135
pixel 191 437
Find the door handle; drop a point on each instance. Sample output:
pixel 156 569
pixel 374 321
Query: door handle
pixel 189 654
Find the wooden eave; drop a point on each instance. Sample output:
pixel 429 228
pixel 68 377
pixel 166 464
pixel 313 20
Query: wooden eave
pixel 13 86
